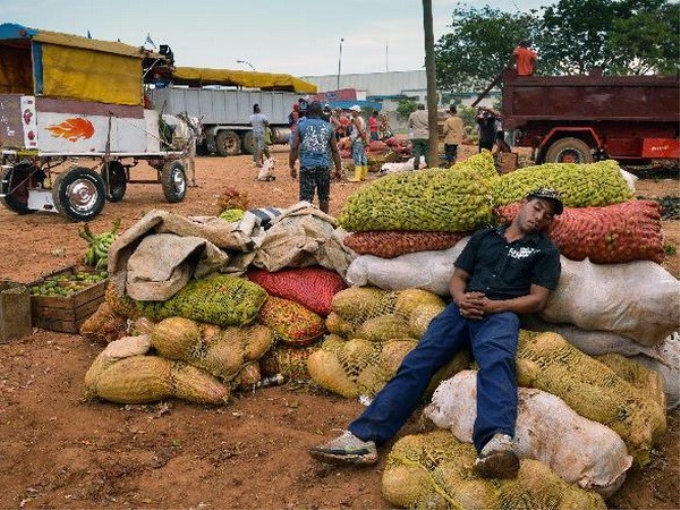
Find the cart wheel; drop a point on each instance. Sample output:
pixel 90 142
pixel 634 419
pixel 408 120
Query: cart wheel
pixel 14 184
pixel 79 194
pixel 115 181
pixel 569 150
pixel 227 143
pixel 174 181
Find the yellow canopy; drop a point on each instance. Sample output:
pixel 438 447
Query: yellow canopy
pixel 196 77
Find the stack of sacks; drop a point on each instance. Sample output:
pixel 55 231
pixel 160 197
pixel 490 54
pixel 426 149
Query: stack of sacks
pixel 299 300
pixel 435 471
pixel 421 211
pixel 371 332
pixel 585 420
pixel 400 145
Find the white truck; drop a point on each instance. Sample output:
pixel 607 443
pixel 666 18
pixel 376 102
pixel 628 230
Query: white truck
pixel 223 101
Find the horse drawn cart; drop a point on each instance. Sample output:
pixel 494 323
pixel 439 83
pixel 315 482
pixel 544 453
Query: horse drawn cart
pixel 73 123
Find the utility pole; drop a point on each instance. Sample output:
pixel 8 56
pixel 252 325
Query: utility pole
pixel 342 39
pixel 431 75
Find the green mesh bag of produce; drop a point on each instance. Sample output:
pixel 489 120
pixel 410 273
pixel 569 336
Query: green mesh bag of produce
pixel 289 361
pixel 217 299
pixel 609 234
pixel 312 287
pixel 362 367
pixel 356 305
pixel 453 200
pixel 292 323
pixel 580 185
pixel 434 471
pixel 392 243
pixel 548 362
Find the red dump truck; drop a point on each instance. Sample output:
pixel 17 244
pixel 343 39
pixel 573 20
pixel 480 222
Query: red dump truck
pixel 580 119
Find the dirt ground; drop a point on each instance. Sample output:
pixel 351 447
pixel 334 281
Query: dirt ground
pixel 59 451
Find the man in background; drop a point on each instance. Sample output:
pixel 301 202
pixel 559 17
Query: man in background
pixel 315 142
pixel 259 123
pixel 419 132
pixel 453 135
pixel 525 59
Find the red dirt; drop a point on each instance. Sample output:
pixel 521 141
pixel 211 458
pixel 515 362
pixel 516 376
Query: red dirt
pixel 59 451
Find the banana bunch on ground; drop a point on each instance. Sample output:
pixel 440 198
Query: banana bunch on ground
pixel 97 253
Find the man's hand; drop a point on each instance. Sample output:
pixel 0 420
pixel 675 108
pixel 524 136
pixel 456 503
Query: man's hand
pixel 472 305
pixel 293 172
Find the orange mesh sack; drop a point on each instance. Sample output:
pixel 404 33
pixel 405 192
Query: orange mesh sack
pixel 606 235
pixel 312 287
pixel 392 243
pixel 292 323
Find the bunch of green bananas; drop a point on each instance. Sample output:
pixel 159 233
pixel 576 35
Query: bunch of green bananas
pixel 97 253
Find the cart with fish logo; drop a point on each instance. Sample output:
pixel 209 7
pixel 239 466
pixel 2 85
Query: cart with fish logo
pixel 73 123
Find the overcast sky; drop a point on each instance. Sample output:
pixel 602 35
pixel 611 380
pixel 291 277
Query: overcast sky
pixel 298 37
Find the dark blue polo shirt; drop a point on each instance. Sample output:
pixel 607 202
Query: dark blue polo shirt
pixel 503 270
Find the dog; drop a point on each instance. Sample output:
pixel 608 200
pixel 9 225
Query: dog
pixel 266 173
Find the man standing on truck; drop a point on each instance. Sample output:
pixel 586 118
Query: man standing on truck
pixel 259 123
pixel 525 59
pixel 315 141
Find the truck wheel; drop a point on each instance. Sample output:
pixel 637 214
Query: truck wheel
pixel 174 181
pixel 79 194
pixel 115 181
pixel 569 150
pixel 14 186
pixel 249 142
pixel 227 143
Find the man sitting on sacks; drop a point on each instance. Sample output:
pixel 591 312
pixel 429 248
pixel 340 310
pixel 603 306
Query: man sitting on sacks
pixel 502 272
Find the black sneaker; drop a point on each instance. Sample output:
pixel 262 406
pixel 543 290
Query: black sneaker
pixel 497 459
pixel 346 448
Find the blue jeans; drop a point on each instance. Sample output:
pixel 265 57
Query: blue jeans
pixel 359 152
pixel 493 341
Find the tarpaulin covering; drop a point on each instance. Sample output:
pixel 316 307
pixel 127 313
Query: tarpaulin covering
pixel 77 73
pixel 70 66
pixel 197 77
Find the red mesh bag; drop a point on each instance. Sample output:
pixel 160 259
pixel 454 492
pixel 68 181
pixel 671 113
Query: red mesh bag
pixel 610 234
pixel 312 287
pixel 392 243
pixel 292 323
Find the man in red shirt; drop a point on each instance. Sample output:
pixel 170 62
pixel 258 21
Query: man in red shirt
pixel 525 59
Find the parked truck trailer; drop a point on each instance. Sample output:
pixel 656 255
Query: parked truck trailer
pixel 223 101
pixel 586 118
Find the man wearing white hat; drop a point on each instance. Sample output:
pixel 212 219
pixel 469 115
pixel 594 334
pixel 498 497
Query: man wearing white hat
pixel 359 141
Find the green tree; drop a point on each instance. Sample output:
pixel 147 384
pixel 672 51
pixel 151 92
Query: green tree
pixel 405 108
pixel 645 38
pixel 479 45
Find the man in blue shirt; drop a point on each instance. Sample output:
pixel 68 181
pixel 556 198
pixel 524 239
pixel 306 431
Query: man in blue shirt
pixel 315 143
pixel 502 272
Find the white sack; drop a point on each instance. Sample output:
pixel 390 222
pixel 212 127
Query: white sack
pixel 638 300
pixel 579 450
pixel 665 359
pixel 427 270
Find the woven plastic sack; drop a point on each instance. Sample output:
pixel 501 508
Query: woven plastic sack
pixel 548 362
pixel 390 244
pixel 434 471
pixel 453 200
pixel 312 287
pixel 638 300
pixel 606 235
pixel 427 270
pixel 292 323
pixel 580 185
pixel 579 450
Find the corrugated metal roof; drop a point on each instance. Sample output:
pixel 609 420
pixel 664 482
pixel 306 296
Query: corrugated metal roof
pixel 391 83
